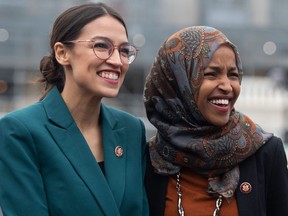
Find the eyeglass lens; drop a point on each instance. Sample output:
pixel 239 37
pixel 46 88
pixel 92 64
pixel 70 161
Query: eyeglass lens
pixel 103 49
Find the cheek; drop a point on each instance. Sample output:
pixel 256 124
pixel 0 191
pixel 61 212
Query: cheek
pixel 200 99
pixel 124 70
pixel 84 62
pixel 237 89
pixel 202 92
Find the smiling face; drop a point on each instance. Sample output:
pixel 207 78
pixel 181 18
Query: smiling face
pixel 220 87
pixel 87 75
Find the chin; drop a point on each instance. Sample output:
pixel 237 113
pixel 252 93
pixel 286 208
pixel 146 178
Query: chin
pixel 220 123
pixel 111 95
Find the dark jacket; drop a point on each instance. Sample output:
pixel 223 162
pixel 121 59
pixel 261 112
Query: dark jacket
pixel 266 171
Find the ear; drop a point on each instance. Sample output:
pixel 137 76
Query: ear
pixel 61 53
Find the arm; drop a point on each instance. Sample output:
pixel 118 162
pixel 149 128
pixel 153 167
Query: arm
pixel 144 147
pixel 277 193
pixel 21 187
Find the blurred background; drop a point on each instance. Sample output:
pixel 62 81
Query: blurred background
pixel 259 28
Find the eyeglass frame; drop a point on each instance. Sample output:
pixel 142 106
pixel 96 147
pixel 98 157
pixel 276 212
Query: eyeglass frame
pixel 113 47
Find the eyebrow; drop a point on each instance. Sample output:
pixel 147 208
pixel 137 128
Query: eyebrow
pixel 106 38
pixel 101 37
pixel 217 68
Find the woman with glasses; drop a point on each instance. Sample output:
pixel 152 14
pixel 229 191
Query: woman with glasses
pixel 70 154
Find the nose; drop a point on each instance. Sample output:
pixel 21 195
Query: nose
pixel 225 84
pixel 115 57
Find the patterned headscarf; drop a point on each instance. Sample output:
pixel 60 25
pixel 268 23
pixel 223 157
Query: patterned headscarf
pixel 184 137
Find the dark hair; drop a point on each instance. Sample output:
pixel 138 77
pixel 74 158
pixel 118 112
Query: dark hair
pixel 67 27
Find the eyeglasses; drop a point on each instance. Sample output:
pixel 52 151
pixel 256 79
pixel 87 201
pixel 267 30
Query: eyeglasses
pixel 103 48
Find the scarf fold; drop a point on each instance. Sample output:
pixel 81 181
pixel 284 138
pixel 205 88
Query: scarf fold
pixel 184 138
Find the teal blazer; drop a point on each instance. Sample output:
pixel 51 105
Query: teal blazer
pixel 47 167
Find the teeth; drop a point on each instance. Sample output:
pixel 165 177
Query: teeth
pixel 108 75
pixel 220 101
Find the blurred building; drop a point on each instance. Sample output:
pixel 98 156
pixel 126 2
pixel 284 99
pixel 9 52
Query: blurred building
pixel 258 27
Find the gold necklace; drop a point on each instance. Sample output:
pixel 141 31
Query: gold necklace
pixel 179 204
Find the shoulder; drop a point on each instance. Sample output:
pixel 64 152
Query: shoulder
pixel 24 116
pixel 272 150
pixel 272 175
pixel 271 162
pixel 124 117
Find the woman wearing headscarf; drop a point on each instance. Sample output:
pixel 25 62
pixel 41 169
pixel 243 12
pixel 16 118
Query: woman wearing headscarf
pixel 207 158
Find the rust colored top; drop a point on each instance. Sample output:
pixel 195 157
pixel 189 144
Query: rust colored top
pixel 195 199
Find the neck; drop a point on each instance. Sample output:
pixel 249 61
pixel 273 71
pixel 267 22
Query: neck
pixel 84 110
pixel 86 118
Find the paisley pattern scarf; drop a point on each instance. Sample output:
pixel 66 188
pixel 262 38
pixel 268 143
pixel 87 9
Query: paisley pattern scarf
pixel 184 137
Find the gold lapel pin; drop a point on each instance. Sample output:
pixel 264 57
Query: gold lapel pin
pixel 118 151
pixel 245 187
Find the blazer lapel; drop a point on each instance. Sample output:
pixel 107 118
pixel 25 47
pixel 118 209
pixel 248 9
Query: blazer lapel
pixel 247 199
pixel 73 145
pixel 114 136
